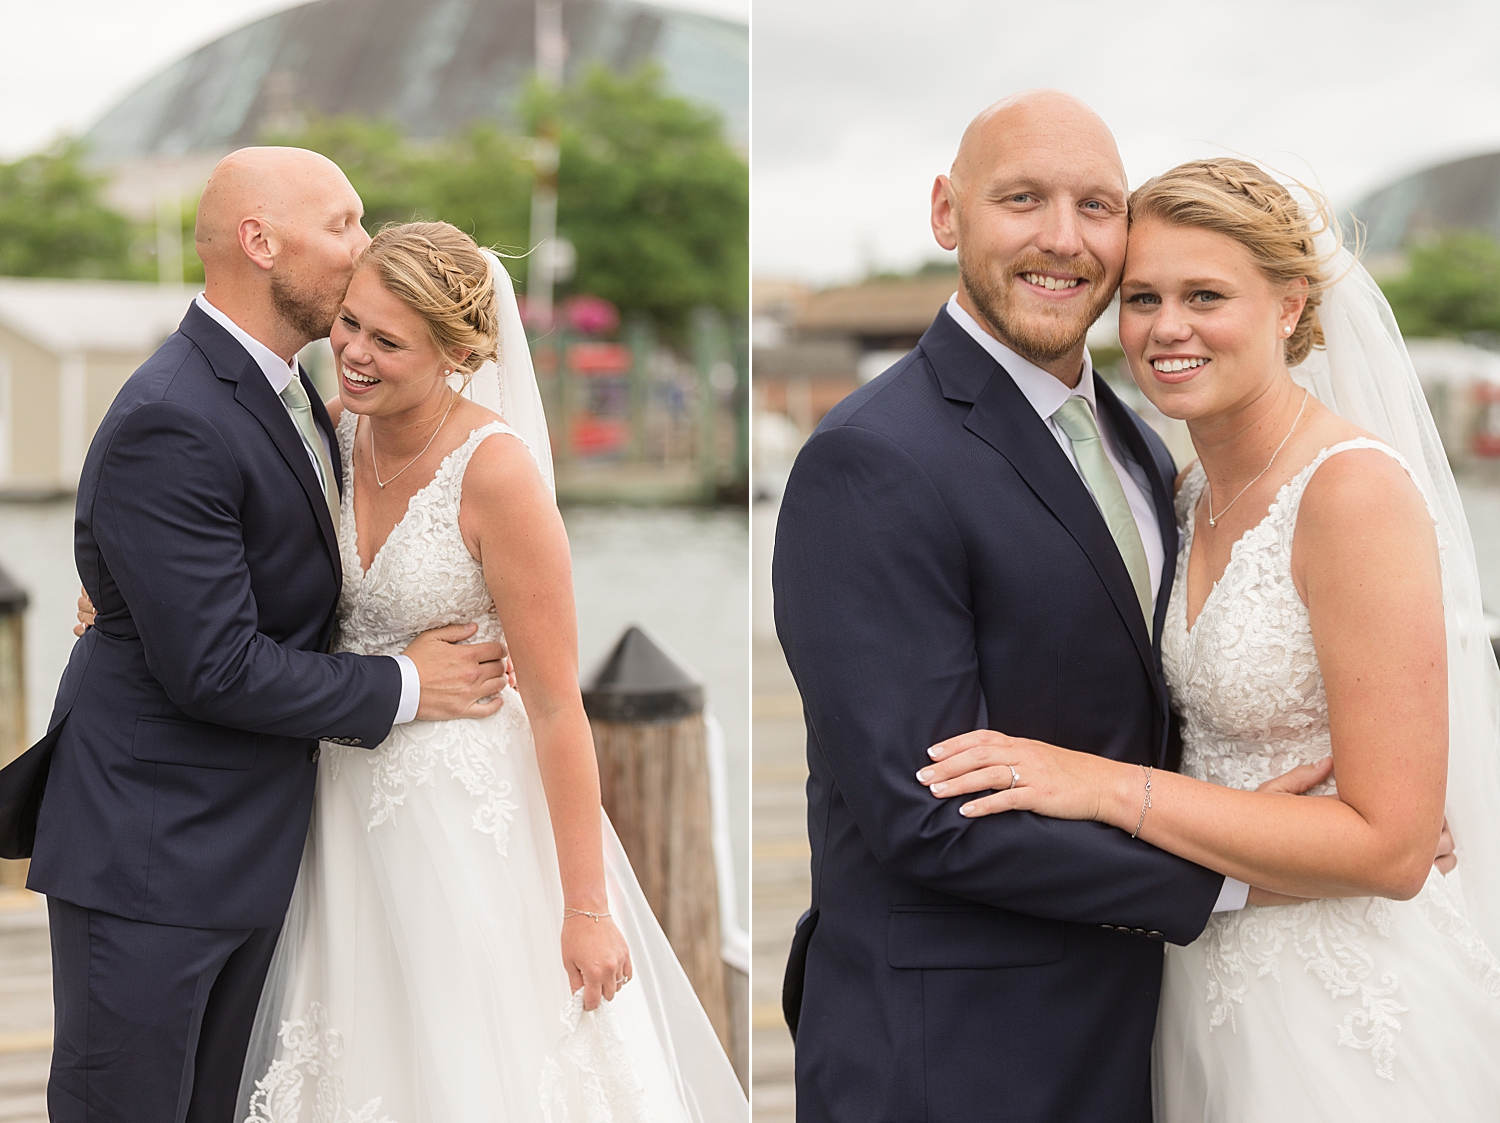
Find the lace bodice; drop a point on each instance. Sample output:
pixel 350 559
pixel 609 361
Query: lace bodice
pixel 1245 677
pixel 424 576
pixel 1246 682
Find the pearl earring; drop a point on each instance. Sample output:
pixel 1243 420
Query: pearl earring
pixel 1287 331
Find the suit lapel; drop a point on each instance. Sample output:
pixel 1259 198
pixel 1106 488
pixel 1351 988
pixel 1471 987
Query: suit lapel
pixel 233 364
pixel 1126 427
pixel 325 426
pixel 1004 420
pixel 1163 474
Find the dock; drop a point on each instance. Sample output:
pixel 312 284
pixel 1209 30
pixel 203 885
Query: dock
pixel 780 884
pixel 25 1007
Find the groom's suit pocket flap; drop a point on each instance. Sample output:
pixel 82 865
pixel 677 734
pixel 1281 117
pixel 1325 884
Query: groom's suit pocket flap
pixel 971 937
pixel 164 741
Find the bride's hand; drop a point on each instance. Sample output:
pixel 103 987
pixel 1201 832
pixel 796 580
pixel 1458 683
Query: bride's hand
pixel 85 612
pixel 1024 775
pixel 596 957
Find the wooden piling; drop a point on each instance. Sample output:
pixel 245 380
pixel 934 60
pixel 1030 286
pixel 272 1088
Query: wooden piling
pixel 649 735
pixel 12 696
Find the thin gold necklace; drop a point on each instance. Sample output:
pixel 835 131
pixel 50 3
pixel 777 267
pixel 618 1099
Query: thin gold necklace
pixel 1213 519
pixel 375 465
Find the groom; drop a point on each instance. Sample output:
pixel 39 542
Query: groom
pixel 983 537
pixel 167 808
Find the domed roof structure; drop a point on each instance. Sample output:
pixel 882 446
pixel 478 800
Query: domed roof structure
pixel 1459 195
pixel 430 66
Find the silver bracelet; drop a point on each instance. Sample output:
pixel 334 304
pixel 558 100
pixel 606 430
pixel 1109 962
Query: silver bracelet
pixel 1145 806
pixel 594 916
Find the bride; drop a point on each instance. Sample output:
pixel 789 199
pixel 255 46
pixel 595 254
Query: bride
pixel 466 940
pixel 1325 615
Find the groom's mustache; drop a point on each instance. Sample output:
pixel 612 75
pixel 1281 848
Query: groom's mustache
pixel 1083 266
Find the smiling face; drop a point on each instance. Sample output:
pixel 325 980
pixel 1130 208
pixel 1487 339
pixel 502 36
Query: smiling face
pixel 1035 207
pixel 384 351
pixel 1202 327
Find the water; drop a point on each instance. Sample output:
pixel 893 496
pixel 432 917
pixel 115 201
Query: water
pixel 680 573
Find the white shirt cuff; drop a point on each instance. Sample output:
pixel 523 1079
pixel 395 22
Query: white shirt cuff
pixel 1233 896
pixel 411 690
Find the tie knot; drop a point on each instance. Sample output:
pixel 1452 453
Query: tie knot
pixel 1075 419
pixel 295 395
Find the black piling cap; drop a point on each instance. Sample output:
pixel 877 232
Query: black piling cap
pixel 12 596
pixel 638 681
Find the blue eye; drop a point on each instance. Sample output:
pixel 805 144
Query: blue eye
pixel 1206 296
pixel 1143 298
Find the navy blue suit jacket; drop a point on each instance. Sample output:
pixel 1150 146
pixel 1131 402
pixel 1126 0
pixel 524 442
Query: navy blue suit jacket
pixel 175 782
pixel 940 566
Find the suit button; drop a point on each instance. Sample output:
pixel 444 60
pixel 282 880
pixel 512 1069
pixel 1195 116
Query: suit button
pixel 354 740
pixel 313 755
pixel 1155 935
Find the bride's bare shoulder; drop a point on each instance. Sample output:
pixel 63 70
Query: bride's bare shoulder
pixel 1362 501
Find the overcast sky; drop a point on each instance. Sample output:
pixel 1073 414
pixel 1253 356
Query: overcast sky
pixel 857 105
pixel 67 61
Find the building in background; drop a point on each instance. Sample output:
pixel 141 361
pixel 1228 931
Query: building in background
pixel 1458 195
pixel 431 67
pixel 66 348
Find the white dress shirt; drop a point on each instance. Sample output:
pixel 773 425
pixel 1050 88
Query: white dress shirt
pixel 279 373
pixel 1047 395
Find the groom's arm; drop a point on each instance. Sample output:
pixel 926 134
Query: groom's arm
pixel 165 517
pixel 874 613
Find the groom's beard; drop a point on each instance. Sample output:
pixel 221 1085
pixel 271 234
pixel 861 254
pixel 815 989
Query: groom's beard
pixel 1040 336
pixel 310 310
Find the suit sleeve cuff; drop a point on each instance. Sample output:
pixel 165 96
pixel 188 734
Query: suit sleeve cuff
pixel 1232 897
pixel 411 690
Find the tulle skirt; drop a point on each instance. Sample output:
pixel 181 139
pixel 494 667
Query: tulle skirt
pixel 419 978
pixel 1339 1010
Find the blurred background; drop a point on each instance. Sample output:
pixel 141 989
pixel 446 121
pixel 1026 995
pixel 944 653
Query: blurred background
pixel 603 144
pixel 1392 110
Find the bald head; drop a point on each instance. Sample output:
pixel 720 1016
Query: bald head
pixel 1035 206
pixel 1034 117
pixel 285 187
pixel 278 233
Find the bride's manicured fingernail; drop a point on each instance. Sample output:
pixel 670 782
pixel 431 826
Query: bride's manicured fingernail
pixel 936 752
pixel 938 789
pixel 964 810
pixel 924 775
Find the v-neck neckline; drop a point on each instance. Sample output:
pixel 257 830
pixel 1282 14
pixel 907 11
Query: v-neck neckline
pixel 359 566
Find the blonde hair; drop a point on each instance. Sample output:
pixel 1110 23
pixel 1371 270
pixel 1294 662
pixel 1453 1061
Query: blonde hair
pixel 1238 199
pixel 437 271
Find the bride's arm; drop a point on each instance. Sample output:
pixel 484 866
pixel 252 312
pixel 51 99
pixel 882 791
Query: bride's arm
pixel 1365 562
pixel 511 524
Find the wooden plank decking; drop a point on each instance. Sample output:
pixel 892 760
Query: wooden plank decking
pixel 25 1007
pixel 779 882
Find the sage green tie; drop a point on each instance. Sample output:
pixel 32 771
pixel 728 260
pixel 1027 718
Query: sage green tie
pixel 294 397
pixel 1076 420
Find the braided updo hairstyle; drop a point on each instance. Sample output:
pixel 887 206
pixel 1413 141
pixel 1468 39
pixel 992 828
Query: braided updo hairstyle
pixel 438 272
pixel 1236 198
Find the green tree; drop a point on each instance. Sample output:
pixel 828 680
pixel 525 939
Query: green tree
pixel 54 223
pixel 654 201
pixel 1452 287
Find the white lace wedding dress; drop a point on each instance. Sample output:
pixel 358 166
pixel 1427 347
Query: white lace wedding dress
pixel 1348 1009
pixel 420 976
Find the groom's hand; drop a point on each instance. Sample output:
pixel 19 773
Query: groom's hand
pixel 458 679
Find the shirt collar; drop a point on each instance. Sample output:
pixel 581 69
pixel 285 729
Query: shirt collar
pixel 1045 393
pixel 279 373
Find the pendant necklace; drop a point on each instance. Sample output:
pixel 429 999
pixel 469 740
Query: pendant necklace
pixel 1213 519
pixel 375 466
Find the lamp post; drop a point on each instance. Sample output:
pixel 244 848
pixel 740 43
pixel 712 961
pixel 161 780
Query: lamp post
pixel 541 269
